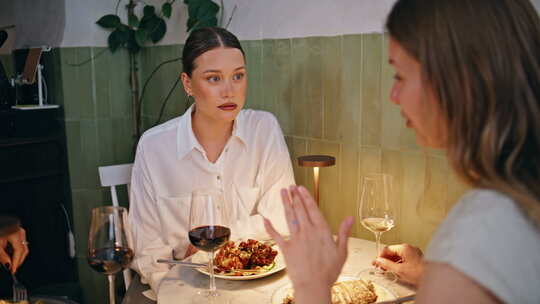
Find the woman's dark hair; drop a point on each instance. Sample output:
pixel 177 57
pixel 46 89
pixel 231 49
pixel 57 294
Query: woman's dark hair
pixel 203 40
pixel 481 59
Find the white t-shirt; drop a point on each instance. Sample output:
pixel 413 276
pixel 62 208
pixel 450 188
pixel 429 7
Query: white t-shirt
pixel 488 238
pixel 170 164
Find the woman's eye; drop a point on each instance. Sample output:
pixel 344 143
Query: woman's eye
pixel 397 77
pixel 213 78
pixel 238 76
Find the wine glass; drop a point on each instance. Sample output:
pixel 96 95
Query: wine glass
pixel 377 214
pixel 108 249
pixel 208 221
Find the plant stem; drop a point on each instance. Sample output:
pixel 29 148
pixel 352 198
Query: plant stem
pixel 134 84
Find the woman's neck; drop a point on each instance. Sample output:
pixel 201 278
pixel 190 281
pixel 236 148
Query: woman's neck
pixel 211 134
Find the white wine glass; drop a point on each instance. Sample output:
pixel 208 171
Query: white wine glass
pixel 377 213
pixel 108 249
pixel 208 221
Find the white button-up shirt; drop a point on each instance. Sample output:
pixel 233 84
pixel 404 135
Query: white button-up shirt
pixel 170 164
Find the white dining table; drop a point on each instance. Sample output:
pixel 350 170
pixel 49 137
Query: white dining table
pixel 181 282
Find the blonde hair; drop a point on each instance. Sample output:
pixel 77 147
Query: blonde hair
pixel 481 58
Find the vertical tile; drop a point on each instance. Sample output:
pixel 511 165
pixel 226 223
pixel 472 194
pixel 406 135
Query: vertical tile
pixel 433 207
pixel 371 82
pixel 74 154
pixel 392 122
pixel 347 114
pixel 370 160
pixel 413 229
pixel 106 142
pixel 101 81
pixel 68 56
pixel 307 90
pixel 328 182
pixel 89 154
pixel 84 85
pixel 297 147
pixel 255 66
pixel 347 194
pixel 118 83
pixel 123 145
pixel 276 77
pixel 332 82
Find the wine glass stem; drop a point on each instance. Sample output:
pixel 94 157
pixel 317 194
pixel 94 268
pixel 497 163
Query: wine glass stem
pixel 377 243
pixel 111 289
pixel 212 278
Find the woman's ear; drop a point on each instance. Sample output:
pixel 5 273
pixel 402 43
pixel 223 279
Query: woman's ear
pixel 186 82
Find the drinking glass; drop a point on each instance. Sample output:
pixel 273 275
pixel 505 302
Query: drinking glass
pixel 377 213
pixel 208 221
pixel 108 249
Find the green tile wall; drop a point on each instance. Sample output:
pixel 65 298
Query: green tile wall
pixel 330 95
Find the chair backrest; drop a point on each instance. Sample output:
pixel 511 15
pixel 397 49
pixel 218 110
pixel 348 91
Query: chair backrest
pixel 112 176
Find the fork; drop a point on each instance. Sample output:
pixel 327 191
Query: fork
pixel 19 291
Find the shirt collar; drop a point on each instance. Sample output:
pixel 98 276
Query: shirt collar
pixel 186 140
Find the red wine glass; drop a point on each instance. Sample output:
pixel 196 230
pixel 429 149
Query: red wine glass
pixel 108 249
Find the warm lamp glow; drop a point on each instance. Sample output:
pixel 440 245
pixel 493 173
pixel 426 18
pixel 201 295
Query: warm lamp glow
pixel 316 162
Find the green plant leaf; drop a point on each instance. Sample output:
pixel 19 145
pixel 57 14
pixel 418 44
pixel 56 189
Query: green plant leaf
pixel 149 10
pixel 190 23
pixel 166 8
pixel 212 21
pixel 159 31
pixel 141 35
pixel 109 21
pixel 133 20
pixel 116 39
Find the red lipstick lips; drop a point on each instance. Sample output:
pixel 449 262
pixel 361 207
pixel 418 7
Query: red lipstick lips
pixel 229 106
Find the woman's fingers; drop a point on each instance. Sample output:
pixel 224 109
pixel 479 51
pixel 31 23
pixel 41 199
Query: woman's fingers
pixel 4 258
pixel 312 209
pixel 273 233
pixel 343 236
pixel 290 216
pixel 299 208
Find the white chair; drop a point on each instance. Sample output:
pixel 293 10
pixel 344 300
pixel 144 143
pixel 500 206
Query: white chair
pixel 112 176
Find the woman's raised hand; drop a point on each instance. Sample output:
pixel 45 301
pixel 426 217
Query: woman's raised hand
pixel 314 259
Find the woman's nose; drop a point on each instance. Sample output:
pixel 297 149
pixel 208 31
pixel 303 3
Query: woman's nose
pixel 228 89
pixel 394 95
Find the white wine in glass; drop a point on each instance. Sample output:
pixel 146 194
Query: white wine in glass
pixel 377 213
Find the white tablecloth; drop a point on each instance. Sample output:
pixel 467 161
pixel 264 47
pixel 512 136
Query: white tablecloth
pixel 181 282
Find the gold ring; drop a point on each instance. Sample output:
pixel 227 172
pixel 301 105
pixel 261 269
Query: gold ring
pixel 25 242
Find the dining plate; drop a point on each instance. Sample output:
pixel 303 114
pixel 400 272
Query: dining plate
pixel 383 293
pixel 279 265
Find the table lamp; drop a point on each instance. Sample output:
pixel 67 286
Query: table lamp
pixel 316 162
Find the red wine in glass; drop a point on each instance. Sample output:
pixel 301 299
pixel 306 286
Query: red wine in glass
pixel 209 238
pixel 108 248
pixel 110 260
pixel 208 221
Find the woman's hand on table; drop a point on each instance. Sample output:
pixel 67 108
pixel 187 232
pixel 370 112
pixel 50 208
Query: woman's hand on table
pixel 404 260
pixel 18 243
pixel 314 259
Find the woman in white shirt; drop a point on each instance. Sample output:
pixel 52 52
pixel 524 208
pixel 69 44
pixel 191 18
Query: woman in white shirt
pixel 214 145
pixel 467 81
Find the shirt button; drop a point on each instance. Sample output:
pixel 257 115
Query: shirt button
pixel 218 177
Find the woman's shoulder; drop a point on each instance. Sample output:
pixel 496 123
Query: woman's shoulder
pixel 487 237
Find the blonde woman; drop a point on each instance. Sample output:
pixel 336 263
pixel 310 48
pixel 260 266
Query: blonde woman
pixel 467 81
